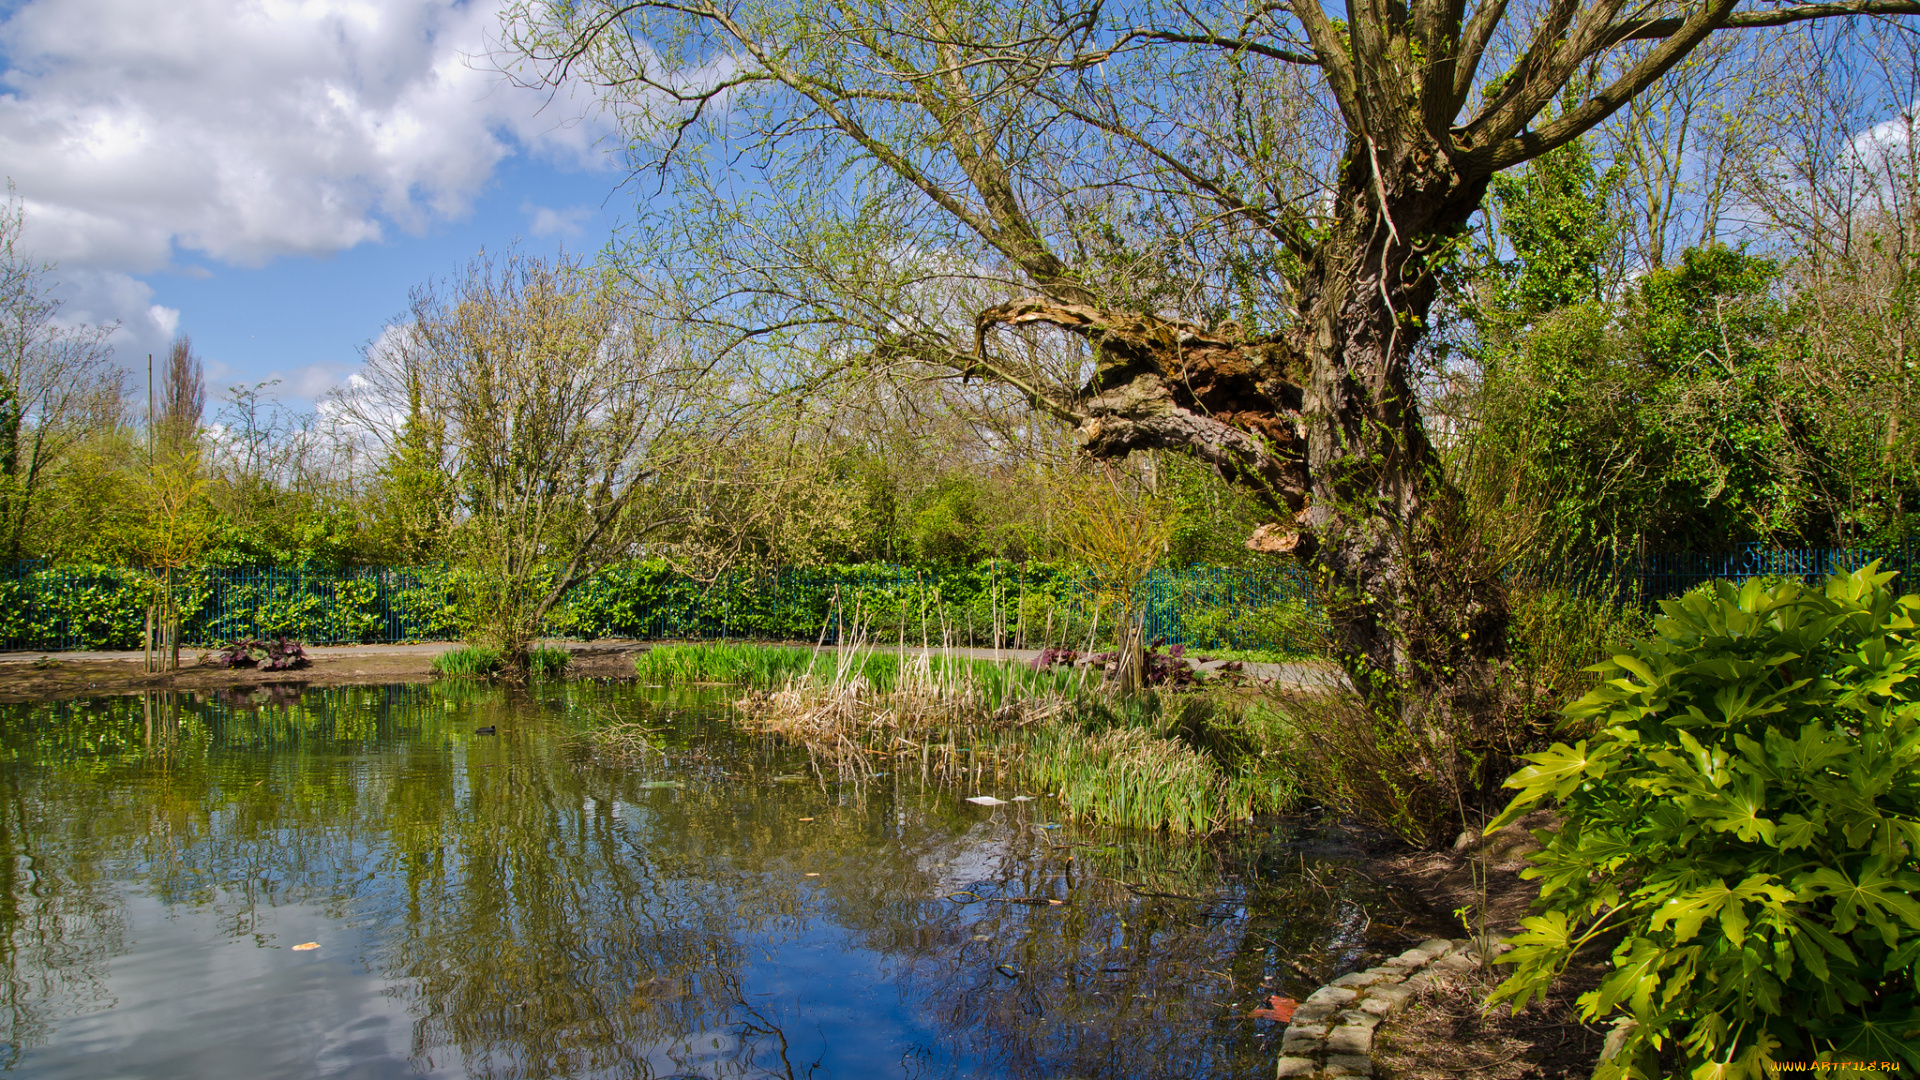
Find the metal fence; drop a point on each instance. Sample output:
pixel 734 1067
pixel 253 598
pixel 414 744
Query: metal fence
pixel 1648 578
pixel 1659 576
pixel 50 608
pixel 53 608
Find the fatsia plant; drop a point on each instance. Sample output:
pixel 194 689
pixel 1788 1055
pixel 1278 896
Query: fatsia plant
pixel 1743 822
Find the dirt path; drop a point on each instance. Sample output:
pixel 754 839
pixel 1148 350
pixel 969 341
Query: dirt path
pixel 1447 1032
pixel 46 676
pixel 33 676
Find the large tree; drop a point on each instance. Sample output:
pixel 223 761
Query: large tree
pixel 1218 233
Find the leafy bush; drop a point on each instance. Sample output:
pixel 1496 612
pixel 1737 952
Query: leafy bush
pixel 1289 627
pixel 280 654
pixel 469 661
pixel 1744 823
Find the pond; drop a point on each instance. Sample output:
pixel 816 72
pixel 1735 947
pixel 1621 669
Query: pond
pixel 515 905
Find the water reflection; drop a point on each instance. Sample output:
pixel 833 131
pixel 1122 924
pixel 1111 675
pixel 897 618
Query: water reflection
pixel 506 905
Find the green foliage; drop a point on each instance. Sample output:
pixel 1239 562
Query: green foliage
pixel 1286 627
pixel 761 666
pixel 98 607
pixel 1655 413
pixel 1212 519
pixel 1555 214
pixel 469 662
pixel 416 508
pixel 1742 822
pixel 771 667
pixel 946 523
pixel 1663 422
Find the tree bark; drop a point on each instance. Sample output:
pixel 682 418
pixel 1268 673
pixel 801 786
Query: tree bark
pixel 1419 616
pixel 1323 425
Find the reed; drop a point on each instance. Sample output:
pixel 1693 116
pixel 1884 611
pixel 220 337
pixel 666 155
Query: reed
pixel 1135 777
pixel 548 660
pixel 847 705
pixel 988 683
pixel 1195 767
pixel 720 662
pixel 468 662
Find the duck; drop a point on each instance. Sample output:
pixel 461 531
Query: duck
pixel 488 730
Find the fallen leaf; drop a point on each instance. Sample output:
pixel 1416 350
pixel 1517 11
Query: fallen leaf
pixel 986 800
pixel 308 946
pixel 1278 1008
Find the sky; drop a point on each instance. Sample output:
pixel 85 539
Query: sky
pixel 273 176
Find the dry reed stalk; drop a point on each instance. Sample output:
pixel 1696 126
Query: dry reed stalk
pixel 846 715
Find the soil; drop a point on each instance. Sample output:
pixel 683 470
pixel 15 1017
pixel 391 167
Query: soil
pixel 1446 1032
pixel 32 677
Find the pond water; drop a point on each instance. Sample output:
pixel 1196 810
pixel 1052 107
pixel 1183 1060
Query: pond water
pixel 512 905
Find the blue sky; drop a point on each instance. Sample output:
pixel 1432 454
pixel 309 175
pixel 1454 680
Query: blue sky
pixel 303 318
pixel 273 176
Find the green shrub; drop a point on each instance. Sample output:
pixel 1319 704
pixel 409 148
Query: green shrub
pixel 1743 823
pixel 1281 628
pixel 469 661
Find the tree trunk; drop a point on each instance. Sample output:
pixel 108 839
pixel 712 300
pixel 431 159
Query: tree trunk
pixel 1419 616
pixel 1323 425
pixel 1417 610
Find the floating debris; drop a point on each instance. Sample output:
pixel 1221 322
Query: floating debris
pixel 1277 1008
pixel 986 800
pixel 308 946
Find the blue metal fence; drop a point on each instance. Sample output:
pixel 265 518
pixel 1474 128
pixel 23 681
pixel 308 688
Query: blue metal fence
pixel 49 609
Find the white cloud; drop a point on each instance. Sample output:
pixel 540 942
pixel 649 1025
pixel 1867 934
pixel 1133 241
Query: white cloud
pixel 544 221
pixel 1882 148
pixel 251 130
pixel 105 296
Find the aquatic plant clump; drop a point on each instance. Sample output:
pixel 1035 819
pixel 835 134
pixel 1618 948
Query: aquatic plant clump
pixel 721 663
pixel 548 660
pixel 469 661
pixel 844 699
pixel 1130 776
pixel 1194 770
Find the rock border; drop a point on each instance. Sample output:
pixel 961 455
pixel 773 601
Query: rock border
pixel 1331 1034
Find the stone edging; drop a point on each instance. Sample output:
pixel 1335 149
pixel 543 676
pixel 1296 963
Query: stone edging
pixel 1332 1031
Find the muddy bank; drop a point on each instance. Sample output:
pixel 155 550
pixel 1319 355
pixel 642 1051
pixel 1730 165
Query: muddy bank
pixel 27 677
